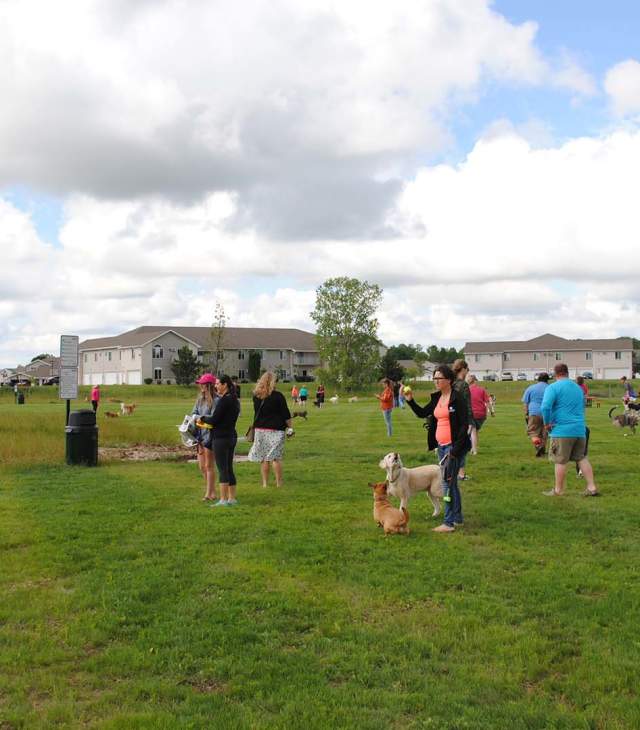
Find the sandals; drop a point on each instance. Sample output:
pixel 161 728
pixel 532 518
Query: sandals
pixel 588 493
pixel 553 493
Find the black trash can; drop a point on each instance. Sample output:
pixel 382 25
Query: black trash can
pixel 20 399
pixel 82 438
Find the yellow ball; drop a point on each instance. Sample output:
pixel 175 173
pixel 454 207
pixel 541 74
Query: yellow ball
pixel 407 389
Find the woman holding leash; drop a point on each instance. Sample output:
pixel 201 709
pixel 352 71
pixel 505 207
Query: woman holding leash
pixel 272 421
pixel 204 406
pixel 223 421
pixel 448 425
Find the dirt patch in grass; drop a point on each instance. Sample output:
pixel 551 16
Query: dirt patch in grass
pixel 146 452
pixel 151 452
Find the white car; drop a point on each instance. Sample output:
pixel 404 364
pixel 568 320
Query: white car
pixel 506 376
pixel 521 376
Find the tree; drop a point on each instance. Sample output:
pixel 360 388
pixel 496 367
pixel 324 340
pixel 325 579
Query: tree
pixel 441 355
pixel 255 361
pixel 408 352
pixel 347 329
pixel 41 356
pixel 186 366
pixel 217 337
pixel 390 367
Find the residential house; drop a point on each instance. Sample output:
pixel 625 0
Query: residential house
pixel 148 352
pixel 610 358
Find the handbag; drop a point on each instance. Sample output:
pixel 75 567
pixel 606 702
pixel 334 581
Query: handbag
pixel 251 431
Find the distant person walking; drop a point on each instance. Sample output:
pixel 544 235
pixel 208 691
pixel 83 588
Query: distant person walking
pixel 304 394
pixel 532 400
pixel 386 404
pixel 272 419
pixel 396 394
pixel 95 398
pixel 320 395
pixel 224 419
pixel 563 415
pixel 448 425
pixel 295 394
pixel 204 406
pixel 460 385
pixel 480 407
pixel 629 395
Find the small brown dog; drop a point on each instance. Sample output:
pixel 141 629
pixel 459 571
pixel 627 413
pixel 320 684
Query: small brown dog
pixel 127 409
pixel 299 414
pixel 392 520
pixel 111 414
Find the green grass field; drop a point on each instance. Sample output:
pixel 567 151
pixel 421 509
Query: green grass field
pixel 128 603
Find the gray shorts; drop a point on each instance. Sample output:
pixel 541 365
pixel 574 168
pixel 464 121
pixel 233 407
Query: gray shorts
pixel 563 450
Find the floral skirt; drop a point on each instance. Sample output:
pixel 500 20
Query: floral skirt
pixel 267 446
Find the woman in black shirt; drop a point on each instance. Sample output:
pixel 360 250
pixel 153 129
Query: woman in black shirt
pixel 223 420
pixel 271 423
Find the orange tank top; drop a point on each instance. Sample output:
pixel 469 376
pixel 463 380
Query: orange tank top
pixel 443 429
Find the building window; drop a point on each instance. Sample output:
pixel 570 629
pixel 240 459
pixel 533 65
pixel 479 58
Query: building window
pixel 587 356
pixel 157 373
pixel 281 355
pixel 158 353
pixel 109 356
pixel 476 358
pixel 618 356
pixel 120 353
pixel 95 357
pixel 85 357
pixel 241 374
pixel 240 354
pixel 506 356
pixel 536 356
pixel 558 356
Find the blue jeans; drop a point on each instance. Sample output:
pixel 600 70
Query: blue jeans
pixel 387 420
pixel 451 492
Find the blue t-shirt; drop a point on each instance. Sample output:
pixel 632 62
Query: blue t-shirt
pixel 533 398
pixel 563 406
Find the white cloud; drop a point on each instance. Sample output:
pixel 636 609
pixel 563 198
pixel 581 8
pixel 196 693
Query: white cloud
pixel 622 84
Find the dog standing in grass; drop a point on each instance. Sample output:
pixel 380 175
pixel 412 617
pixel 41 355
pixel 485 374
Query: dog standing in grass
pixel 404 483
pixel 392 520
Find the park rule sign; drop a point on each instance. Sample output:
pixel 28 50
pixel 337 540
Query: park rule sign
pixel 69 366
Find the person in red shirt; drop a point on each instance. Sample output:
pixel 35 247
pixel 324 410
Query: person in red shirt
pixel 95 397
pixel 386 403
pixel 480 406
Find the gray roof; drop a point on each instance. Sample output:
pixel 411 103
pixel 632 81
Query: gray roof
pixel 548 342
pixel 235 338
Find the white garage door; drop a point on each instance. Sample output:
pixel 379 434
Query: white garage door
pixel 96 378
pixel 111 378
pixel 86 379
pixel 134 377
pixel 615 373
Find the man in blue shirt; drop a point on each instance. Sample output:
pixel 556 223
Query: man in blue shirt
pixel 563 415
pixel 532 400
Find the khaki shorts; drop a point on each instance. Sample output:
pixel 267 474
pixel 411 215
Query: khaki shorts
pixel 563 450
pixel 535 427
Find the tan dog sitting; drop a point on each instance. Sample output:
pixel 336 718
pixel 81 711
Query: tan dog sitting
pixel 404 483
pixel 392 520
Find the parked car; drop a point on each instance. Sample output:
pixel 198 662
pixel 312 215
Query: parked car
pixel 490 376
pixel 588 375
pixel 54 380
pixel 506 376
pixel 521 376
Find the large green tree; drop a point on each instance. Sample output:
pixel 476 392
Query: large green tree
pixel 255 362
pixel 346 330
pixel 390 367
pixel 186 366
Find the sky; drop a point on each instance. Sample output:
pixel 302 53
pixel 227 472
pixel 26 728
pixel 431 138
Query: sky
pixel 478 160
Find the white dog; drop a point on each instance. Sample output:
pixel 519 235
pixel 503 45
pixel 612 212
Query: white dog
pixel 334 399
pixel 353 399
pixel 404 483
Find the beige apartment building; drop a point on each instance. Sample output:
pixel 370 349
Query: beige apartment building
pixel 147 352
pixel 602 358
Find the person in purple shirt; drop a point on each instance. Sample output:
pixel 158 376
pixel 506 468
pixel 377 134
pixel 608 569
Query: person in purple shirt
pixel 563 416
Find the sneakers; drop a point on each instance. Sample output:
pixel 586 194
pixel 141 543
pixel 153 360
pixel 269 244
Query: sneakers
pixel 231 502
pixel 444 528
pixel 220 503
pixel 552 493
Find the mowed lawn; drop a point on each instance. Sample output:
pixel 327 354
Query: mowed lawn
pixel 125 602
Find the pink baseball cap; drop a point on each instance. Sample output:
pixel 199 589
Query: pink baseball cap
pixel 206 378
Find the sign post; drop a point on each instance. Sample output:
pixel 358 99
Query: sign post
pixel 69 369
